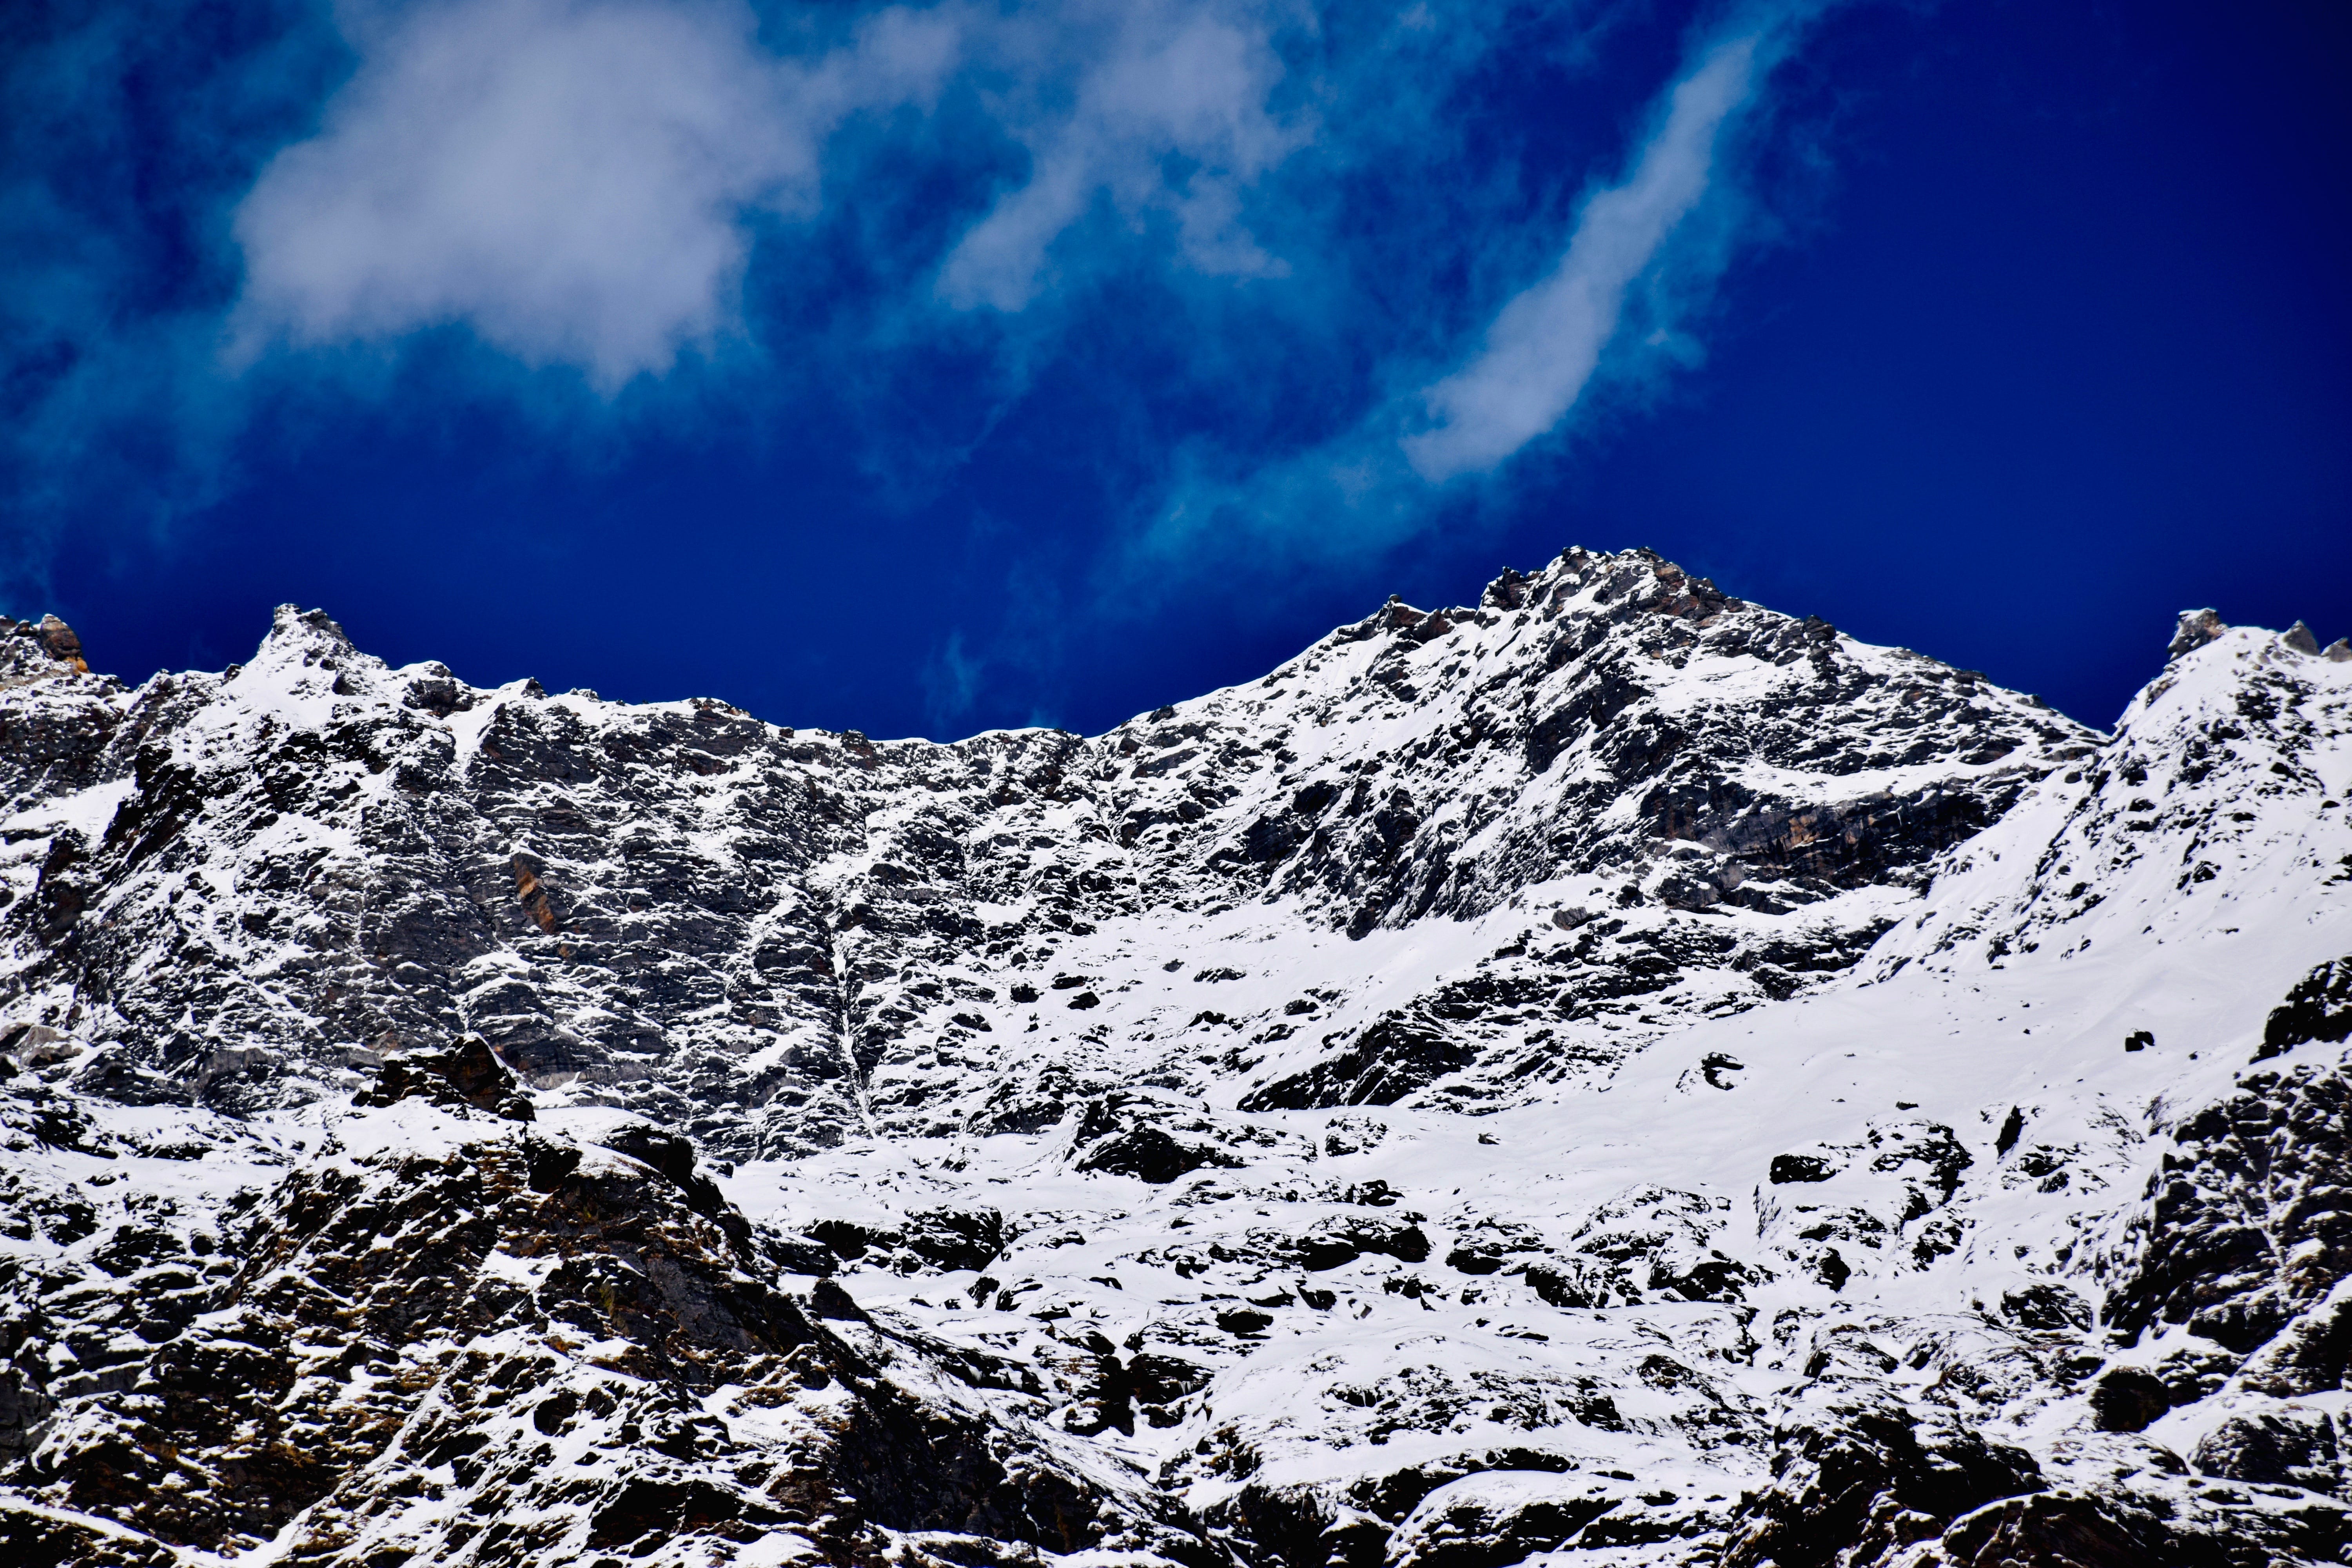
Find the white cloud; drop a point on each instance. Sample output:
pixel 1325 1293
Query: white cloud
pixel 573 179
pixel 1544 345
pixel 576 181
pixel 1158 82
pixel 570 178
pixel 1382 481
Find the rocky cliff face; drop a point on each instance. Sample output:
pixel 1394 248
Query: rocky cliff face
pixel 1611 1071
pixel 268 880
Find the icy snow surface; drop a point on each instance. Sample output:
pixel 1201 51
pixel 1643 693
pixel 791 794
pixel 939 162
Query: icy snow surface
pixel 1611 1074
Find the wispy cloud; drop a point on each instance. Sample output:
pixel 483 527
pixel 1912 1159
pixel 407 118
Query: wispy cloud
pixel 1236 234
pixel 1536 363
pixel 130 128
pixel 572 179
pixel 578 180
pixel 1545 345
pixel 1161 107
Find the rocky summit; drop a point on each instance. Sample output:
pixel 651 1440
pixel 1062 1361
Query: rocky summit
pixel 1611 1075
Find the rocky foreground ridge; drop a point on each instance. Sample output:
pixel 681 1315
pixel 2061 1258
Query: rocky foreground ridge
pixel 1611 1074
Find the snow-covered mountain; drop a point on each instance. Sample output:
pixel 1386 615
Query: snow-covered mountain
pixel 1612 1072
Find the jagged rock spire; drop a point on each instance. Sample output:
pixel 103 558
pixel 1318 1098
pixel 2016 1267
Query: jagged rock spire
pixel 2196 628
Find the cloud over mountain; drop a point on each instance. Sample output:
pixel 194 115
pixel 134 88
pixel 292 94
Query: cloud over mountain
pixel 1545 345
pixel 596 212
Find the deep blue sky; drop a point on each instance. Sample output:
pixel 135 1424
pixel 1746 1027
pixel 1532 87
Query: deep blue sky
pixel 2001 331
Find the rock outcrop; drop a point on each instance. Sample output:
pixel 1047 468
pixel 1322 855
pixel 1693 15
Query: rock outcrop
pixel 1610 1072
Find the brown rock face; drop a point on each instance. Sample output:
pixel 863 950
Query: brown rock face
pixel 58 641
pixel 26 646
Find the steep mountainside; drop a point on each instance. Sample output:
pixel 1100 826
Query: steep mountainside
pixel 1612 1071
pixel 257 884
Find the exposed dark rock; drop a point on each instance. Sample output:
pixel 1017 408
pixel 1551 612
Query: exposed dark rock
pixel 1495 1523
pixel 2047 1307
pixel 2231 1242
pixel 1865 1478
pixel 2129 1399
pixel 626 1259
pixel 469 1074
pixel 2290 1446
pixel 2196 628
pixel 955 1237
pixel 1391 1059
pixel 2318 1008
pixel 24 1405
pixel 2312 1355
pixel 1150 1139
pixel 2013 1127
pixel 522 980
pixel 1334 1242
pixel 2061 1530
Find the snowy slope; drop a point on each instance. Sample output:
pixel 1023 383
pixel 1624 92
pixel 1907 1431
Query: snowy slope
pixel 778 939
pixel 1610 1072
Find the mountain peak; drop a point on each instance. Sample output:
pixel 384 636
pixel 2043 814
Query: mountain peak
pixel 31 649
pixel 310 636
pixel 2197 627
pixel 1533 1079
